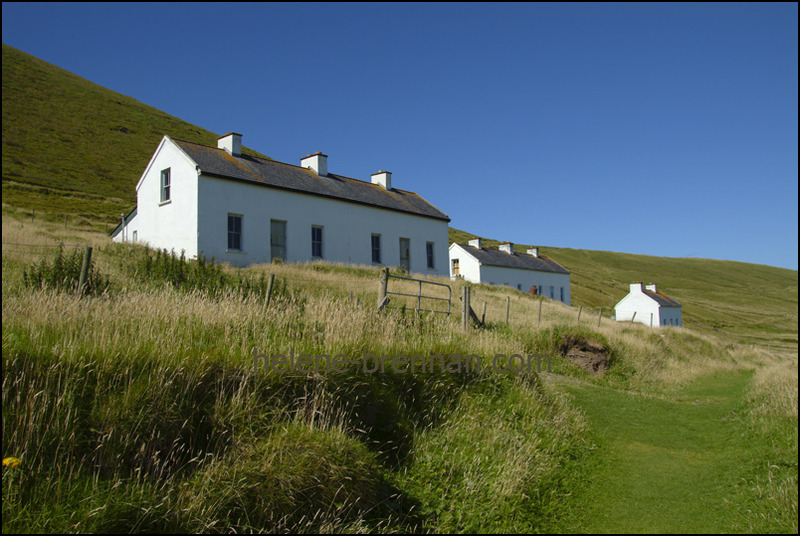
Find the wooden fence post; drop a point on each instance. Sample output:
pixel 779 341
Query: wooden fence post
pixel 87 261
pixel 539 322
pixel 269 287
pixel 465 307
pixel 633 317
pixel 508 307
pixel 383 283
pixel 580 309
pixel 599 316
pixel 483 315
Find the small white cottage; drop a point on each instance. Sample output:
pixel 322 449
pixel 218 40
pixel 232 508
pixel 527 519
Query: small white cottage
pixel 242 210
pixel 530 273
pixel 648 306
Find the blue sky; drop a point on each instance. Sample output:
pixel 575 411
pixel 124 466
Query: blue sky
pixel 659 129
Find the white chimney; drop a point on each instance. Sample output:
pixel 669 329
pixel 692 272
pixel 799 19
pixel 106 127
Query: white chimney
pixel 317 162
pixel 507 247
pixel 383 178
pixel 231 142
pixel 533 252
pixel 651 287
pixel 636 287
pixel 475 242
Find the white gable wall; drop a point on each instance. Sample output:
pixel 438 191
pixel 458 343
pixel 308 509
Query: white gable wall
pixel 170 225
pixel 549 284
pixel 347 227
pixel 468 266
pixel 642 305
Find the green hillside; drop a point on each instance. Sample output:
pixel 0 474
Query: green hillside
pixel 755 303
pixel 73 147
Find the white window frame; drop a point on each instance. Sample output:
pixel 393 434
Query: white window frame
pixel 166 185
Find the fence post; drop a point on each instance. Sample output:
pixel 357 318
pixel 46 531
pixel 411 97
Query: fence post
pixel 599 316
pixel 65 221
pixel 87 261
pixel 651 320
pixel 508 307
pixel 383 281
pixel 269 287
pixel 419 298
pixel 483 316
pixel 633 317
pixel 539 322
pixel 465 307
pixel 580 309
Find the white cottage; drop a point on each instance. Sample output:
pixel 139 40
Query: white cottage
pixel 242 210
pixel 648 306
pixel 530 273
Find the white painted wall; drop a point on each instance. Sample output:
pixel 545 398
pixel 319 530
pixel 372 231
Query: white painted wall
pixel 670 316
pixel 549 284
pixel 347 227
pixel 171 225
pixel 469 267
pixel 644 306
pixel 471 270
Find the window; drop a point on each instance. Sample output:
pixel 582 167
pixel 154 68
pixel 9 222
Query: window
pixel 429 251
pixel 165 185
pixel 562 294
pixel 234 232
pixel 405 254
pixel 455 267
pixel 277 239
pixel 316 241
pixel 519 286
pixel 135 235
pixel 376 248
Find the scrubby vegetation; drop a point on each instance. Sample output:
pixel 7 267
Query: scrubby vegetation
pixel 148 407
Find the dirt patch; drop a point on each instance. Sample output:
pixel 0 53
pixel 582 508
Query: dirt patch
pixel 591 355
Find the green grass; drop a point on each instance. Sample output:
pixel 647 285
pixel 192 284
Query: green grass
pixel 683 463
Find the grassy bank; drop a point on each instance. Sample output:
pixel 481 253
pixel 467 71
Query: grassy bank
pixel 139 408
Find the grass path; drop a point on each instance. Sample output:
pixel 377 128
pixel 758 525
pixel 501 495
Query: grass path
pixel 669 465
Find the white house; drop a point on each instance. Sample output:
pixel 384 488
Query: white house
pixel 650 306
pixel 241 209
pixel 531 273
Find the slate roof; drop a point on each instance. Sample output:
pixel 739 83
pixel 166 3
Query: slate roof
pixel 219 163
pixel 495 257
pixel 662 299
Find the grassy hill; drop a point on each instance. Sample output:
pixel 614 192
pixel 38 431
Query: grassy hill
pixel 73 147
